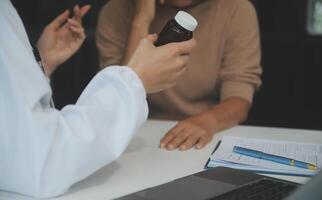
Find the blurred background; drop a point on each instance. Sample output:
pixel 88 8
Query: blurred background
pixel 291 94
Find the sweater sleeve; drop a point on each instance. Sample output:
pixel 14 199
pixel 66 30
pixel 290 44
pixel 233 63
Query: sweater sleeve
pixel 112 31
pixel 241 69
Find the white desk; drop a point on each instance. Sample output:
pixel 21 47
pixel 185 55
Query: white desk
pixel 144 165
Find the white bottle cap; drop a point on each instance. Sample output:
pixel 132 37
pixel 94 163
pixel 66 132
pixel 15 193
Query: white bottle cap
pixel 186 21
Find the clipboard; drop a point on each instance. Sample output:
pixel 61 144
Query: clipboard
pixel 215 149
pixel 257 170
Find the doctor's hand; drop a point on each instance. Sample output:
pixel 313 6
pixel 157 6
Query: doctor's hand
pixel 187 134
pixel 62 38
pixel 159 68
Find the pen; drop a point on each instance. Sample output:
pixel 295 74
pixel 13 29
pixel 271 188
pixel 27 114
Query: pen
pixel 274 158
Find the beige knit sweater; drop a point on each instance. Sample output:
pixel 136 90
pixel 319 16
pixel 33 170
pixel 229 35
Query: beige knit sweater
pixel 225 63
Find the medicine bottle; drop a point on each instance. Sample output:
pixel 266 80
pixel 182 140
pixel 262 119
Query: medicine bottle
pixel 178 29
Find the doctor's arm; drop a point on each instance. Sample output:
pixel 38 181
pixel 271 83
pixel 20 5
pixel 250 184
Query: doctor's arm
pixel 198 130
pixel 44 151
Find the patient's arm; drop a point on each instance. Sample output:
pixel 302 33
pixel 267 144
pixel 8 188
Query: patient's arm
pixel 121 27
pixel 144 15
pixel 198 130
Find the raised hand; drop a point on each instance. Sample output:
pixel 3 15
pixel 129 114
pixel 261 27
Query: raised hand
pixel 145 10
pixel 62 38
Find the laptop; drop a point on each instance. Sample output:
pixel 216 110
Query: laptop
pixel 223 183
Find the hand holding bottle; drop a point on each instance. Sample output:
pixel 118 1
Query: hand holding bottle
pixel 159 68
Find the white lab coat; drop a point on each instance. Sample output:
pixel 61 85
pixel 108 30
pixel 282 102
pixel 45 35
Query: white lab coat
pixel 44 151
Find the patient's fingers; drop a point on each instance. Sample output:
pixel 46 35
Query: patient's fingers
pixel 180 138
pixel 169 136
pixel 203 141
pixel 190 141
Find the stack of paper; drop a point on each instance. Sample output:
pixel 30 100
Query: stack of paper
pixel 224 155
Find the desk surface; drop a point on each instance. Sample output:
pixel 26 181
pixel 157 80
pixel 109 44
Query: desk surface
pixel 144 165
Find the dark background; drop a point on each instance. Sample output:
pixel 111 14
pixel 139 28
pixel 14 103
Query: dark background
pixel 291 94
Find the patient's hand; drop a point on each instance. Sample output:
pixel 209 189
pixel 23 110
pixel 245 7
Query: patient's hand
pixel 159 68
pixel 187 134
pixel 198 130
pixel 61 39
